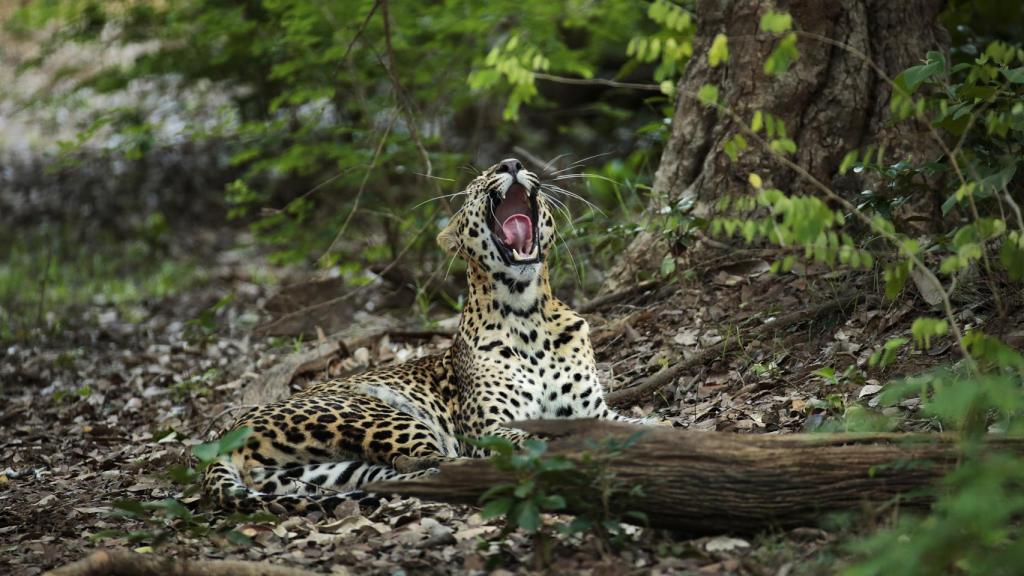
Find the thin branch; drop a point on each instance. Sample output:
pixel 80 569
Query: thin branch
pixel 1016 208
pixel 658 380
pixel 595 82
pixel 358 289
pixel 362 185
pixel 406 103
pixel 359 32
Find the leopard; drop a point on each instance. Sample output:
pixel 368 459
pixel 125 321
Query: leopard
pixel 519 353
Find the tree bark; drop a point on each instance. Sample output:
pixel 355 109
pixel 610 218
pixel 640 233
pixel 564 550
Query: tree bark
pixel 709 483
pixel 831 100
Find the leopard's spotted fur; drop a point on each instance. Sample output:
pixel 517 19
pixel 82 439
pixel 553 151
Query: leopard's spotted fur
pixel 519 354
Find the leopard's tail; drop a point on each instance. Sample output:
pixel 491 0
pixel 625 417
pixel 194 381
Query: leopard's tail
pixel 297 488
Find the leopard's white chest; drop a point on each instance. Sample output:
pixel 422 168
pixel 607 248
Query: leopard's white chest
pixel 553 392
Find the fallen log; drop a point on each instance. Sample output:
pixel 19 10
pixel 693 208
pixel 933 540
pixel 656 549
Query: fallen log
pixel 711 483
pixel 125 563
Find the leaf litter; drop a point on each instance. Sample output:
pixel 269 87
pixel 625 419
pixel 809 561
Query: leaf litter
pixel 102 411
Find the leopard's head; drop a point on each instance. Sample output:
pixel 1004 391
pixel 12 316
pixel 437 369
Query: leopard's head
pixel 505 224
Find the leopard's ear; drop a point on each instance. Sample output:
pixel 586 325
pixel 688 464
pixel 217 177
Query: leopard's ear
pixel 448 239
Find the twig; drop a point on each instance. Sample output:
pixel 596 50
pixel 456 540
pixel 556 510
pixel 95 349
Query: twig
pixel 359 32
pixel 406 103
pixel 669 374
pixel 358 289
pixel 595 81
pixel 606 299
pixel 43 282
pixel 362 185
pixel 213 421
pixel 419 334
pixel 124 563
pixel 1016 208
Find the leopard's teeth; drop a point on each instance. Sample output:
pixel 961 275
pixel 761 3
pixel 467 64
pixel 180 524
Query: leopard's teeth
pixel 533 253
pixel 518 256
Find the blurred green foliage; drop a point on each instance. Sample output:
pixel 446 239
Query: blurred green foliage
pixel 46 271
pixel 350 113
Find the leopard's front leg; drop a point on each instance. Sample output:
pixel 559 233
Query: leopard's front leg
pixel 606 413
pixel 516 437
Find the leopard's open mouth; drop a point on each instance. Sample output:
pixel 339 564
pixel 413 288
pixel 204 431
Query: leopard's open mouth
pixel 513 223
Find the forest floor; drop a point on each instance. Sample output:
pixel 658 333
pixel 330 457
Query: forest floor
pixel 101 410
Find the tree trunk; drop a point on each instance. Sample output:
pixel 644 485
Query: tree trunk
pixel 831 100
pixel 709 483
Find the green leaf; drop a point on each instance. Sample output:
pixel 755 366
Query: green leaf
pixel 668 265
pixel 238 539
pixel 826 372
pixel 528 516
pixel 887 354
pixel 182 474
pixel 915 75
pixel 206 452
pixel 783 146
pixel 848 161
pixel 555 465
pixel 130 508
pixel 719 51
pixel 895 279
pixel 535 448
pixel 782 56
pixel 495 444
pixel 990 349
pixel 1014 76
pixel 1011 255
pixel 924 329
pixel 577 525
pixel 233 440
pixel 554 502
pixel 172 507
pixel 776 22
pixel 525 488
pixel 637 515
pixel 496 508
pixel 708 95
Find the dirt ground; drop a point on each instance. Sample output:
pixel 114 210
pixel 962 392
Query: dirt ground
pixel 101 411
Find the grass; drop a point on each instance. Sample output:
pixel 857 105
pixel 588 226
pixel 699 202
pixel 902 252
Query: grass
pixel 48 276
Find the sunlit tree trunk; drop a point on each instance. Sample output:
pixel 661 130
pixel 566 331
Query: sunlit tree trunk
pixel 832 100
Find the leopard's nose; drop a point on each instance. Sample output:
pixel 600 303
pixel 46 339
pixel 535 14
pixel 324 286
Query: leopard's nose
pixel 510 166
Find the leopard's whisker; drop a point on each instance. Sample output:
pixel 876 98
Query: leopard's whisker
pixel 551 162
pixel 562 209
pixel 587 175
pixel 572 259
pixel 580 162
pixel 560 190
pixel 431 176
pixel 435 198
pixel 451 262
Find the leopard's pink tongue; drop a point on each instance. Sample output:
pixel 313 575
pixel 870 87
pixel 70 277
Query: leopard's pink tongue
pixel 518 233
